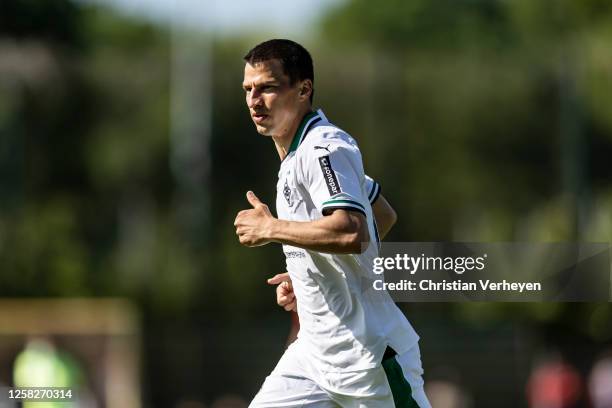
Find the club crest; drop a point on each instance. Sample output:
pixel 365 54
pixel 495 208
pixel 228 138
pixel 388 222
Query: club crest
pixel 287 194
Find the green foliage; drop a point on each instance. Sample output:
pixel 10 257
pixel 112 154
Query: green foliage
pixel 420 24
pixel 483 120
pixel 81 131
pixel 58 22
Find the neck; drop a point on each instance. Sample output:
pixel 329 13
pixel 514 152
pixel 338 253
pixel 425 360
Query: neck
pixel 283 141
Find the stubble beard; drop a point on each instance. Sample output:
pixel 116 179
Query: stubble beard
pixel 263 130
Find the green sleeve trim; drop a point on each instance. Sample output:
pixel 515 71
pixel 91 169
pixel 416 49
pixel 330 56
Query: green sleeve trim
pixel 374 193
pixel 341 202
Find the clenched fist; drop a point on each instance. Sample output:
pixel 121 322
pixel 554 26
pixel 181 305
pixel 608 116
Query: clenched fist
pixel 285 297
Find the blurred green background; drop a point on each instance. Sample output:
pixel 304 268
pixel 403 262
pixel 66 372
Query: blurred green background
pixel 126 149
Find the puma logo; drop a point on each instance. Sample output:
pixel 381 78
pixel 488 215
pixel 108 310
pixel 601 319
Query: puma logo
pixel 323 148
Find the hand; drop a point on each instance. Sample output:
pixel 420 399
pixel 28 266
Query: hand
pixel 253 226
pixel 284 291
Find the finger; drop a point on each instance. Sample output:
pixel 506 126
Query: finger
pixel 285 287
pixel 290 306
pixel 278 278
pixel 241 213
pixel 284 300
pixel 283 290
pixel 279 293
pixel 252 199
pixel 238 220
pixel 286 296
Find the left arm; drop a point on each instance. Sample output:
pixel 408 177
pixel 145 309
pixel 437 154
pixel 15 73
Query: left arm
pixel 384 215
pixel 341 232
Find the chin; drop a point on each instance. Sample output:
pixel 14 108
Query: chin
pixel 263 130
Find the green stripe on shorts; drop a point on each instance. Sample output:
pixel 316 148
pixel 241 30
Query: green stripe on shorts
pixel 400 388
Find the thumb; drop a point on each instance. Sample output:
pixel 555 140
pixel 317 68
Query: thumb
pixel 252 199
pixel 278 278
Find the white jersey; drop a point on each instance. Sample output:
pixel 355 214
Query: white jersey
pixel 343 326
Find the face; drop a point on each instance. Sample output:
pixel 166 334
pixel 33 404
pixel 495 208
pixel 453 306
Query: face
pixel 274 104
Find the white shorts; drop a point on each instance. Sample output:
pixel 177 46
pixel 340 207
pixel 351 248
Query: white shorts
pixel 398 383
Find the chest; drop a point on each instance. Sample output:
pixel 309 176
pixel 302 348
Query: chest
pixel 292 198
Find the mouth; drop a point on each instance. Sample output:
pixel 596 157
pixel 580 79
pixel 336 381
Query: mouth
pixel 259 117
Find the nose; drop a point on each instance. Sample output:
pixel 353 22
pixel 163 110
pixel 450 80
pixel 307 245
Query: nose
pixel 254 98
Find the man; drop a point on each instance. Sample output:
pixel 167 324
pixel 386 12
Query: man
pixel 355 347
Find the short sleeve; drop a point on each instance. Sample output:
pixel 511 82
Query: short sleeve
pixel 333 178
pixel 373 189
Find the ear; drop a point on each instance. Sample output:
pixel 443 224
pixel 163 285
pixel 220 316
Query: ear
pixel 306 88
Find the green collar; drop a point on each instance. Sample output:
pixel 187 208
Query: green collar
pixel 301 130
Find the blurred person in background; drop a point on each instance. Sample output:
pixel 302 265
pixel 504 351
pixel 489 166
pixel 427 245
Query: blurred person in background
pixel 447 394
pixel 41 364
pixel 554 383
pixel 446 389
pixel 355 347
pixel 600 382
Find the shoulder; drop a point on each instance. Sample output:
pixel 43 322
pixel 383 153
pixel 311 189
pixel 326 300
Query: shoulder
pixel 325 139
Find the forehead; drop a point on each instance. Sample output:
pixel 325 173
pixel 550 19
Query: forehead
pixel 264 71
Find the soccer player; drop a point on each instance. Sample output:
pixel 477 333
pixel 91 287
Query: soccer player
pixel 355 347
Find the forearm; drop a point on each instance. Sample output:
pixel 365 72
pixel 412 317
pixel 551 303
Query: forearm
pixel 385 216
pixel 342 232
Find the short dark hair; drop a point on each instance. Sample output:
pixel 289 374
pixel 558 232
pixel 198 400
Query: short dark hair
pixel 295 59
